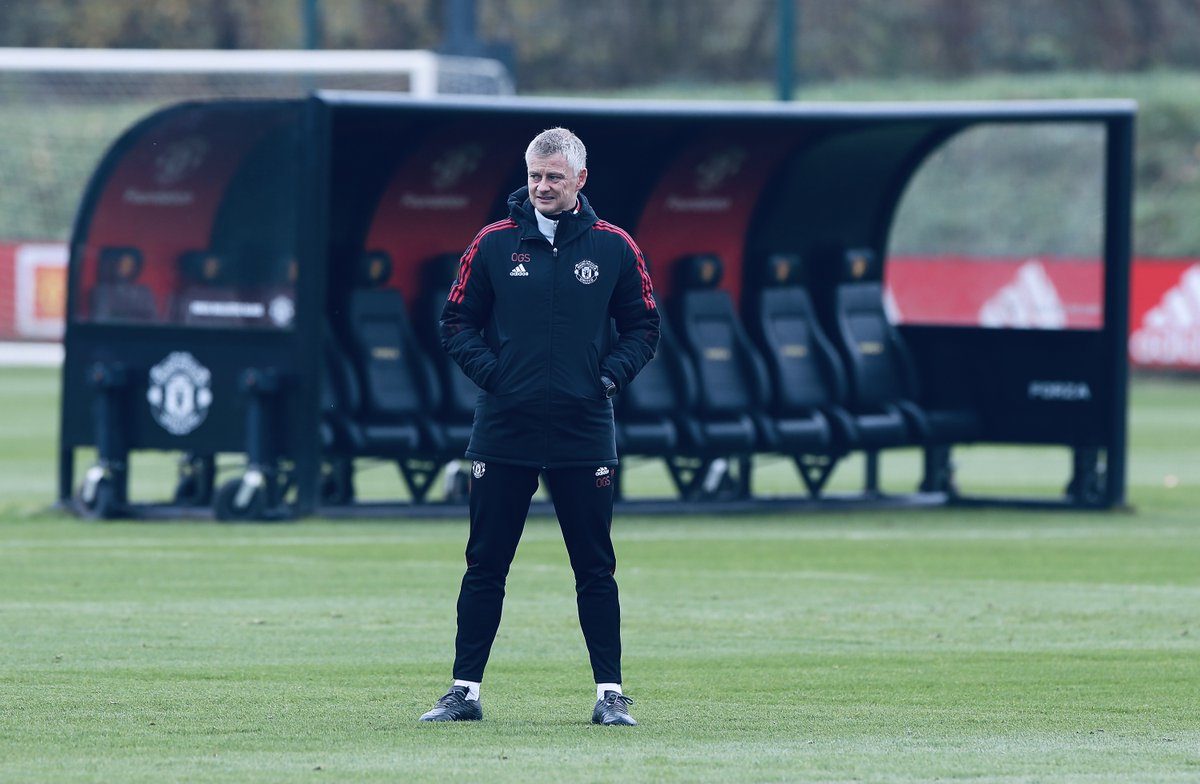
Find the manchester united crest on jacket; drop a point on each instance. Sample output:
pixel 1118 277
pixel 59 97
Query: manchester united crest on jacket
pixel 586 272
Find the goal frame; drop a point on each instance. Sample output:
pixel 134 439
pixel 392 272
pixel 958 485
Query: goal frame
pixel 422 66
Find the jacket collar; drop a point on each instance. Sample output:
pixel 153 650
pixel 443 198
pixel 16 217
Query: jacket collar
pixel 570 226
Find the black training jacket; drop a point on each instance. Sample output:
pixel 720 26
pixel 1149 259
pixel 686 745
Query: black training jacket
pixel 531 324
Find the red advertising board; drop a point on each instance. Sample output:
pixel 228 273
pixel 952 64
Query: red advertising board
pixel 33 290
pixel 1165 314
pixel 1054 293
pixel 1045 293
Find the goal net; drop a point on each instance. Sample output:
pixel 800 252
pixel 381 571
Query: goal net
pixel 61 108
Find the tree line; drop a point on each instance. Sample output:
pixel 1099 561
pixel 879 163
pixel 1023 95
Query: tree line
pixel 608 44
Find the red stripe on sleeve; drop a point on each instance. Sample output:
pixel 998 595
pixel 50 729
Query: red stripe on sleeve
pixel 458 290
pixel 647 286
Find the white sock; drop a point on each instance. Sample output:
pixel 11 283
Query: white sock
pixel 472 689
pixel 603 687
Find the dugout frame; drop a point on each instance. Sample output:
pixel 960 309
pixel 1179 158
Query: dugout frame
pixel 343 151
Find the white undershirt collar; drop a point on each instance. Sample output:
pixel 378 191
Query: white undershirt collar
pixel 546 226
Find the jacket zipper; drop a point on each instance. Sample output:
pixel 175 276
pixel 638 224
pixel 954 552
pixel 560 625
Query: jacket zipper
pixel 550 352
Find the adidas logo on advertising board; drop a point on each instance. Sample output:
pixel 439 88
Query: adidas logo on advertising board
pixel 1030 300
pixel 519 271
pixel 1170 331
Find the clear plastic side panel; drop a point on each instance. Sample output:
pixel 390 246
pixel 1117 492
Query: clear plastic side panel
pixel 1003 227
pixel 194 223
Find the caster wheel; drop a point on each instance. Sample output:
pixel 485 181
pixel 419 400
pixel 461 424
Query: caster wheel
pixel 240 500
pixel 195 486
pixel 716 479
pixel 1088 491
pixel 456 482
pixel 98 500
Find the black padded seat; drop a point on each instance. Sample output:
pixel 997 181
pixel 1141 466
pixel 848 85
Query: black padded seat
pixel 352 431
pixel 116 295
pixel 956 426
pixel 733 435
pixel 730 377
pixel 881 370
pixel 401 437
pixel 807 381
pixel 806 418
pixel 880 430
pixel 877 369
pixel 208 294
pixel 457 438
pixel 813 433
pixel 884 391
pixel 656 438
pixel 651 410
pixel 396 382
pixel 382 390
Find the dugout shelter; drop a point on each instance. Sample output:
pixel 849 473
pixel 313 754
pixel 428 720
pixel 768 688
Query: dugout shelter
pixel 262 279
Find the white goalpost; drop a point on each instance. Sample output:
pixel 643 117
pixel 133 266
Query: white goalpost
pixel 420 72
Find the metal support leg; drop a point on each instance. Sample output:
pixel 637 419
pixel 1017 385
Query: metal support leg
pixel 1088 482
pixel 258 494
pixel 261 453
pixel 66 475
pixel 745 465
pixel 871 485
pixel 938 470
pixel 105 489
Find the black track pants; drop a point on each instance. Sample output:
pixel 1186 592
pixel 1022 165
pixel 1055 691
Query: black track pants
pixel 500 500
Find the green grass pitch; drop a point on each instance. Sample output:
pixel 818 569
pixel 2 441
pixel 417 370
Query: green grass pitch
pixel 980 645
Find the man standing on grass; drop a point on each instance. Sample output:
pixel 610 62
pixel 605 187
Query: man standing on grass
pixel 529 319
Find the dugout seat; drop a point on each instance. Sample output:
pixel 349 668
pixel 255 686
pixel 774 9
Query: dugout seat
pixel 396 380
pixel 883 387
pixel 647 410
pixel 731 379
pixel 456 407
pixel 653 410
pixel 208 293
pixel 805 418
pixel 117 296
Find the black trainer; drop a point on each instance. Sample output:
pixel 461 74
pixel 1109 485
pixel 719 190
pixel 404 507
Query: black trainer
pixel 455 707
pixel 613 709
